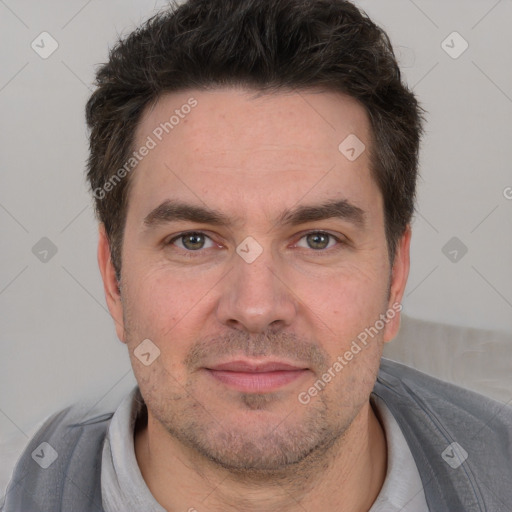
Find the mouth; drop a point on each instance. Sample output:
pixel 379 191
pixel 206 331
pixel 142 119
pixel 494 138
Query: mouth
pixel 256 377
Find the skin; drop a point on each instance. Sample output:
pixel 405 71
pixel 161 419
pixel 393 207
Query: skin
pixel 206 445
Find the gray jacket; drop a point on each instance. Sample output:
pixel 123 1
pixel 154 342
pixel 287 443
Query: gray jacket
pixel 461 442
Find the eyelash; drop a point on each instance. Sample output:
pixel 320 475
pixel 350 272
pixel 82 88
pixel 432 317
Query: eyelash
pixel 196 253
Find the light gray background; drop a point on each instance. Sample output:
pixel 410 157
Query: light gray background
pixel 57 341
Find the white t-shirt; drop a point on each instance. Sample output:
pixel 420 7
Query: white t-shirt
pixel 402 490
pixel 123 487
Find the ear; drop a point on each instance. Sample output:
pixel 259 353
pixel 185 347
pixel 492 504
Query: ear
pixel 110 284
pixel 399 275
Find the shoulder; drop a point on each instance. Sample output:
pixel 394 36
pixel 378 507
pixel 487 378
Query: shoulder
pixel 461 441
pixel 62 460
pixel 400 382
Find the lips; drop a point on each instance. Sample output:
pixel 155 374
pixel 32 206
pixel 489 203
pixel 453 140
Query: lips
pixel 254 367
pixel 256 377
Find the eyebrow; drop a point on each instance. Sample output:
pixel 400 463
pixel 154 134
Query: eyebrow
pixel 339 209
pixel 171 211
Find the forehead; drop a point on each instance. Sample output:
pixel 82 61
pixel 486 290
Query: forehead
pixel 262 147
pixel 311 119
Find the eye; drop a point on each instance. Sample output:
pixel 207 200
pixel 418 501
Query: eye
pixel 192 241
pixel 318 241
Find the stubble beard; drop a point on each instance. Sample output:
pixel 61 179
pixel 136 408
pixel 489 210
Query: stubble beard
pixel 287 448
pixel 282 449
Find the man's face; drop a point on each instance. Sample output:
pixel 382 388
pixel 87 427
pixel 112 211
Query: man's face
pixel 254 254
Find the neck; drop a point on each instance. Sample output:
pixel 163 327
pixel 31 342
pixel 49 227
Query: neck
pixel 346 475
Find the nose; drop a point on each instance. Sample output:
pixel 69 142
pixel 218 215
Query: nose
pixel 255 296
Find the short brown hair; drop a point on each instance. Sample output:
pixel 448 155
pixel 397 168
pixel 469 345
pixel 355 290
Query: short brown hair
pixel 268 45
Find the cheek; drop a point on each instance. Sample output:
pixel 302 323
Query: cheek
pixel 341 307
pixel 351 292
pixel 169 308
pixel 158 313
pixel 161 299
